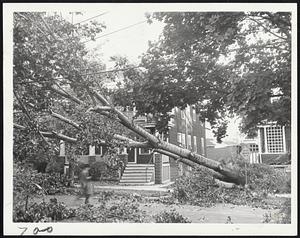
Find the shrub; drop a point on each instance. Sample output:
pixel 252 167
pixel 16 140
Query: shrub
pixel 262 177
pixel 28 183
pixel 78 167
pixel 284 215
pixel 53 183
pixel 55 166
pixel 98 170
pixel 200 188
pixel 41 212
pixel 126 211
pixel 170 217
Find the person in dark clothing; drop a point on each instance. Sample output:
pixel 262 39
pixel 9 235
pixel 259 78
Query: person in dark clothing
pixel 86 184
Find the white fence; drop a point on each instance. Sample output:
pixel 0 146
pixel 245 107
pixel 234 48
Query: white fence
pixel 255 158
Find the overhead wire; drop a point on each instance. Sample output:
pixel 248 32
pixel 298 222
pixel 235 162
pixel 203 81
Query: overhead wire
pixel 121 29
pixel 91 18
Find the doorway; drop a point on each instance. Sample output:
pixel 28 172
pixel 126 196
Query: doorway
pixel 131 155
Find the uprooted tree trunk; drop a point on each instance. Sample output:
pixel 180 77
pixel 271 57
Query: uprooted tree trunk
pixel 183 155
pixel 219 171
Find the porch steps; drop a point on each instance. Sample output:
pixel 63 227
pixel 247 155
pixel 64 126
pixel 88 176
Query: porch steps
pixel 138 174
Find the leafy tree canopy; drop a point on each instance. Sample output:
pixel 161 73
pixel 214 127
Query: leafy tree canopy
pixel 224 63
pixel 52 66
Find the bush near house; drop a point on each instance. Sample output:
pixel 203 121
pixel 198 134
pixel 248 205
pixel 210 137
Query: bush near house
pixel 200 188
pixel 55 166
pixel 98 170
pixel 262 177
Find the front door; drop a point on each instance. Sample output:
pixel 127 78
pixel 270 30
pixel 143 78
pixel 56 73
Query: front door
pixel 131 155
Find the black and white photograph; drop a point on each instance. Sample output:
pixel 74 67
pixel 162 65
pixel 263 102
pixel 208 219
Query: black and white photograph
pixel 128 119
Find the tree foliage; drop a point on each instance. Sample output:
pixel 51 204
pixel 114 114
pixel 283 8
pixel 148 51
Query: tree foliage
pixel 52 66
pixel 225 63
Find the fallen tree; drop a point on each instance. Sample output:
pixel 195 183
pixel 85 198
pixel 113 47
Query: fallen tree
pixel 52 76
pixel 219 171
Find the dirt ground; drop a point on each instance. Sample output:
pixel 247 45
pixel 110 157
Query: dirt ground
pixel 219 213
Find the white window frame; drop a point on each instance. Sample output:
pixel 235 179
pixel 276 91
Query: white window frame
pixel 179 138
pixel 195 143
pixel 194 114
pixel 183 140
pixel 202 146
pixel 189 142
pixel 182 113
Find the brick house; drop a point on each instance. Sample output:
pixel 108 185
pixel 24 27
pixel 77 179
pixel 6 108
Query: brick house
pixel 143 167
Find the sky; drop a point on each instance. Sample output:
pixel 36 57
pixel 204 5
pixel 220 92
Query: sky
pixel 132 42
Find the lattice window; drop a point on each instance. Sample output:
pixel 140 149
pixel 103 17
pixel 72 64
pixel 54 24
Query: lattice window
pixel 274 139
pixel 254 148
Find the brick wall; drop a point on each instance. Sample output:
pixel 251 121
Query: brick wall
pixel 197 129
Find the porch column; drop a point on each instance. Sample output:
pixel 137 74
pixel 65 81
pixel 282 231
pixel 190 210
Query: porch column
pixel 62 155
pixel 92 155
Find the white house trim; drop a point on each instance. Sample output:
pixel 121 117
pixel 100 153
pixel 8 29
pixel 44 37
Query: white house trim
pixel 266 142
pixel 283 138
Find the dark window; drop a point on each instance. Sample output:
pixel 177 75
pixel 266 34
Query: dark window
pixel 144 151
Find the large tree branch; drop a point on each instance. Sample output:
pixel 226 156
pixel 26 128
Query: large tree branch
pixel 127 122
pixel 49 134
pixel 66 120
pixel 133 143
pixel 65 95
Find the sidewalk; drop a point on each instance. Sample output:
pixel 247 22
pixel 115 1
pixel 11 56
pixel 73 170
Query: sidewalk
pixel 155 187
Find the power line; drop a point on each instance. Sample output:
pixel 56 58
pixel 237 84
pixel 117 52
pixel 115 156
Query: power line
pixel 110 71
pixel 92 18
pixel 121 29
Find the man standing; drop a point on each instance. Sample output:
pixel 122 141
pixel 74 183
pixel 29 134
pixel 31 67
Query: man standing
pixel 86 184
